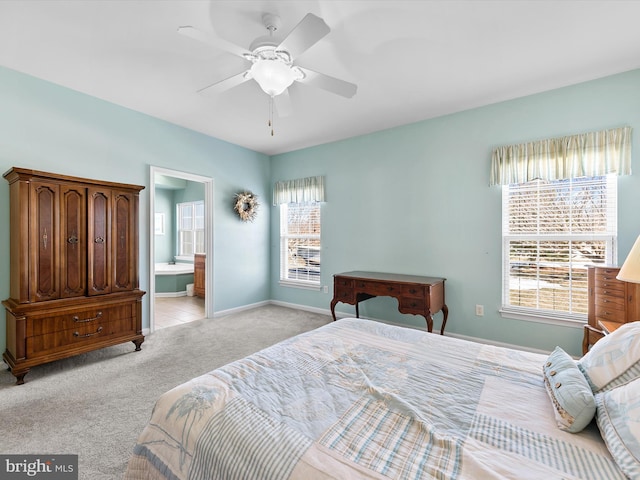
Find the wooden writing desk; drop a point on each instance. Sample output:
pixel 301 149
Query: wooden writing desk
pixel 416 295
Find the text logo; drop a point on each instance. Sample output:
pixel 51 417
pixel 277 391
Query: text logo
pixel 49 467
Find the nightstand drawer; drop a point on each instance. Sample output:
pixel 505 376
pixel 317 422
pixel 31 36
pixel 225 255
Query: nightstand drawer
pixel 610 301
pixel 610 313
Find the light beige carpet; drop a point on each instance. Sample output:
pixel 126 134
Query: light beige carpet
pixel 95 405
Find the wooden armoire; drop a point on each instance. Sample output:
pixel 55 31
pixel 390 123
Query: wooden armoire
pixel 73 268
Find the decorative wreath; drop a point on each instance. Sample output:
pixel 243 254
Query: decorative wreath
pixel 246 206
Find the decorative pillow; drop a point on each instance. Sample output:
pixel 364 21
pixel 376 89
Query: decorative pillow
pixel 618 419
pixel 573 401
pixel 614 360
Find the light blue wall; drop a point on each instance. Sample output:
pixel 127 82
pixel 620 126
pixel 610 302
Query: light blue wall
pixel 50 128
pixel 415 199
pixel 164 246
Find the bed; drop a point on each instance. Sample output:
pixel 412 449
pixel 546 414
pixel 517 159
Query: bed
pixel 362 399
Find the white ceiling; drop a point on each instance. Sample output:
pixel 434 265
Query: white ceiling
pixel 411 60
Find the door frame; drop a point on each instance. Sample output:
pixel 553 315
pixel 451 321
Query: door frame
pixel 208 236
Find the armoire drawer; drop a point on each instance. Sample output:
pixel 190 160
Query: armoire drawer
pixel 77 319
pixel 84 334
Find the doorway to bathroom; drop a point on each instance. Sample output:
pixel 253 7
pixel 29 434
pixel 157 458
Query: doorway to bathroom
pixel 181 246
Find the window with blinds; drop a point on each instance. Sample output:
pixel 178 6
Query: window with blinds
pixel 551 231
pixel 190 228
pixel 300 243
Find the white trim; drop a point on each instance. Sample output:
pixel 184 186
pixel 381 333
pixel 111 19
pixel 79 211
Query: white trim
pixel 304 285
pixel 574 321
pixel 208 235
pixel 171 294
pixel 229 311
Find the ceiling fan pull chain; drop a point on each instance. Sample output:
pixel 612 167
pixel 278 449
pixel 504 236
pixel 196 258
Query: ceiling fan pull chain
pixel 271 113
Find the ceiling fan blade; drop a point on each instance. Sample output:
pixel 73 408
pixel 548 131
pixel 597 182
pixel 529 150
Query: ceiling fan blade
pixel 226 84
pixel 213 40
pixel 331 84
pixel 304 35
pixel 283 104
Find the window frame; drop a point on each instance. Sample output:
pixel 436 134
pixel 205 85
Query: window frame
pixel 285 236
pixel 555 317
pixel 179 230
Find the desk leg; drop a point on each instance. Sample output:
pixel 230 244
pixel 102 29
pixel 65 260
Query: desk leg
pixel 429 318
pixel 445 312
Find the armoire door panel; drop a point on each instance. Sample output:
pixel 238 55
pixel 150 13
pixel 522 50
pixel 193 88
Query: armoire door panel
pixel 73 266
pixel 123 241
pixel 44 241
pixel 99 241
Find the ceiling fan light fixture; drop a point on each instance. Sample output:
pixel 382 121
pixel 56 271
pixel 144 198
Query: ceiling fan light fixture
pixel 273 76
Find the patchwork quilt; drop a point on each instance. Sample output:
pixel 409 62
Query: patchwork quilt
pixel 362 399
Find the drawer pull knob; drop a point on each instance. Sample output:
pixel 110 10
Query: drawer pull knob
pixel 72 240
pixel 77 334
pixel 99 240
pixel 84 320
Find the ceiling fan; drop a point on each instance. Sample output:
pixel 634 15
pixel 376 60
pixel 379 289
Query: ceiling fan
pixel 272 60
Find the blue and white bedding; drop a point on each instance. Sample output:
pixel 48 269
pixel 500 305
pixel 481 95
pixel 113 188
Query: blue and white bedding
pixel 361 399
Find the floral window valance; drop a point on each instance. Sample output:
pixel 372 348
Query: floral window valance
pixel 584 155
pixel 300 190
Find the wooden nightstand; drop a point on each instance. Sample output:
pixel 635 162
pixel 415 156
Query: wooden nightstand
pixel 612 303
pixel 609 326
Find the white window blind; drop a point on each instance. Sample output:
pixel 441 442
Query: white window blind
pixel 300 244
pixel 551 231
pixel 190 228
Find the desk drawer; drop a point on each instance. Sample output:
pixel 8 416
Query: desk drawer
pixel 414 291
pixel 377 288
pixel 412 305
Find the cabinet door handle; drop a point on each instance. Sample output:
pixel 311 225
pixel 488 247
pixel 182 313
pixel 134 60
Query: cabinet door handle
pixel 72 240
pixel 77 334
pixel 99 240
pixel 84 320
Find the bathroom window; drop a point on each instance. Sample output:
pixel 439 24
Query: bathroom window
pixel 190 228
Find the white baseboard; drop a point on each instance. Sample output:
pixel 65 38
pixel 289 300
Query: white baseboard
pixel 171 294
pixel 229 311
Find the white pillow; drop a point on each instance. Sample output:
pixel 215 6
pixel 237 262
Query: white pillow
pixel 618 417
pixel 614 360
